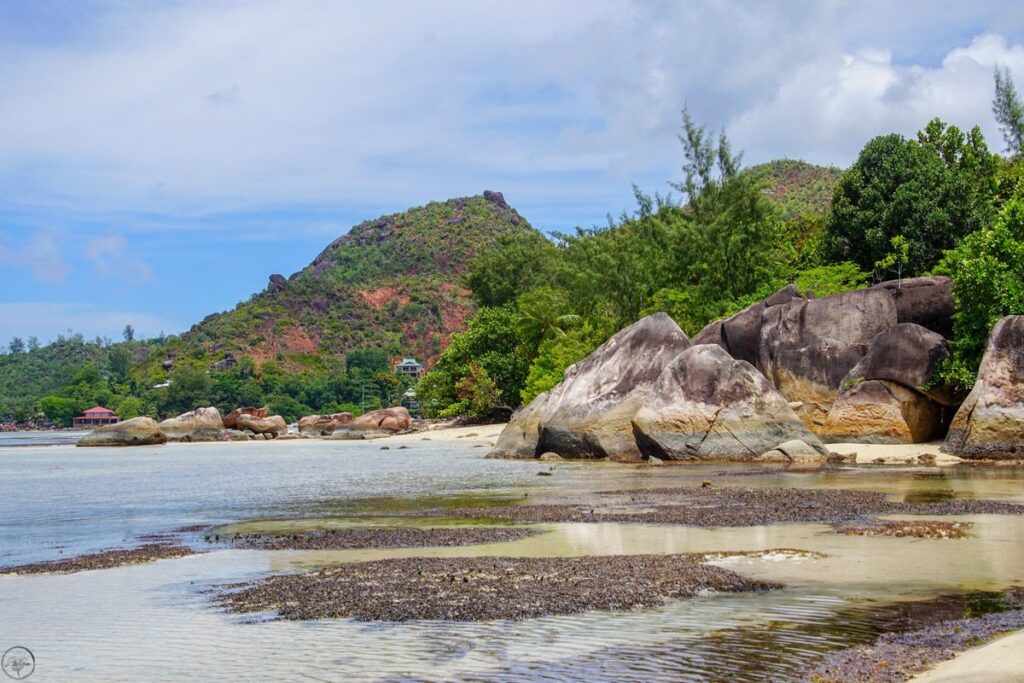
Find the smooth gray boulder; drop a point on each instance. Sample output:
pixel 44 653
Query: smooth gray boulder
pixel 589 414
pixel 708 405
pixel 925 301
pixel 990 423
pixel 138 431
pixel 521 435
pixel 740 334
pixel 808 347
pixel 907 354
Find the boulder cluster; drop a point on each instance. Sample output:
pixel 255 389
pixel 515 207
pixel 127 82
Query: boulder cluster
pixel 648 392
pixel 245 424
pixel 777 379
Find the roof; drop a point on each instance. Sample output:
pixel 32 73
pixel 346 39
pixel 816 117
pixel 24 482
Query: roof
pixel 409 362
pixel 100 409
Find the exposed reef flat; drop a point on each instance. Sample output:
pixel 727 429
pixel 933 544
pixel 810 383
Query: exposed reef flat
pixel 397 537
pixel 904 529
pixel 105 559
pixel 730 506
pixel 897 657
pixel 484 588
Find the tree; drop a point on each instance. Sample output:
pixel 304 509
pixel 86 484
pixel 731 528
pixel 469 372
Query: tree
pixel 491 340
pixel 987 270
pixel 33 343
pixel 17 345
pixel 60 410
pixel 190 389
pixel 130 407
pixel 128 333
pixel 1009 112
pixel 517 263
pixel 120 360
pixel 933 191
pixel 477 393
pixel 544 312
pixel 894 261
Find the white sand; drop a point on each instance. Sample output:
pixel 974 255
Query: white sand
pixel 483 434
pixel 999 661
pixel 893 453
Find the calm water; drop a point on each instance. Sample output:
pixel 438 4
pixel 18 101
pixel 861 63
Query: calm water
pixel 155 621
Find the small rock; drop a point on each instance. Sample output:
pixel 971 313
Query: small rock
pixel 544 474
pixel 549 456
pixel 385 448
pixel 655 461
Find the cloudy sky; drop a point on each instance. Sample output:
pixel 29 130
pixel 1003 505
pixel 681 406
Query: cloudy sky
pixel 158 160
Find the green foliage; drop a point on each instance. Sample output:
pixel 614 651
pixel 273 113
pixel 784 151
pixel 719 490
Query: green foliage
pixel 1009 111
pixel 190 388
pixel 831 279
pixel 517 263
pixel 895 260
pixel 492 341
pixel 554 355
pixel 130 407
pixel 287 407
pixel 477 394
pixel 60 410
pixel 933 191
pixel 987 270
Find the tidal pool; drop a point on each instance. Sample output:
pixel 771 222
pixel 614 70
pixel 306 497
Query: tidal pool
pixel 157 621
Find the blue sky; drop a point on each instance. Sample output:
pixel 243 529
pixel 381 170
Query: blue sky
pixel 159 160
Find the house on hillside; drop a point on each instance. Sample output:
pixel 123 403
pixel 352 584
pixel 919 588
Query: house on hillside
pixel 96 416
pixel 410 368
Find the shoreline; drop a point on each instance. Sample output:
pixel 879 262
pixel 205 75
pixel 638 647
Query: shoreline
pixel 999 660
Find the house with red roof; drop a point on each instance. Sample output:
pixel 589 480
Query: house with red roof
pixel 96 416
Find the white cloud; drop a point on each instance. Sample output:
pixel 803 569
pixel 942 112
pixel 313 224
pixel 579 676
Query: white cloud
pixel 40 254
pixel 824 111
pixel 110 257
pixel 46 320
pixel 196 107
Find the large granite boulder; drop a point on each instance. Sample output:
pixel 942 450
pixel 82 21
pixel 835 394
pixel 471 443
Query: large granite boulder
pixel 740 334
pixel 269 427
pixel 880 411
pixel 386 420
pixel 708 405
pixel 885 398
pixel 521 435
pixel 589 414
pixel 201 424
pixel 231 419
pixel 138 431
pixel 323 425
pixel 907 354
pixel 925 301
pixel 990 423
pixel 808 347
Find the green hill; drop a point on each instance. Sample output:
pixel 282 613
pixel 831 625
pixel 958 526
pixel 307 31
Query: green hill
pixel 391 283
pixel 797 187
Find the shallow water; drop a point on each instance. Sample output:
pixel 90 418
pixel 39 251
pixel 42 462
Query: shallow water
pixel 157 621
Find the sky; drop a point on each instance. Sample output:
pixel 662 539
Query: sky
pixel 159 160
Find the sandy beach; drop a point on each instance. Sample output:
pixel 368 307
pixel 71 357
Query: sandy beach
pixel 999 661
